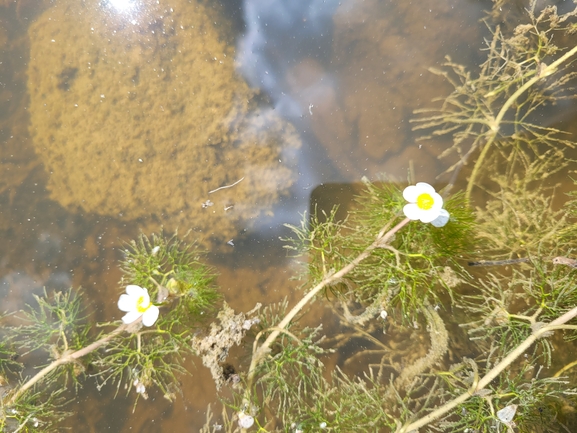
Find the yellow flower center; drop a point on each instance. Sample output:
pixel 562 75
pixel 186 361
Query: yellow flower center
pixel 141 307
pixel 425 201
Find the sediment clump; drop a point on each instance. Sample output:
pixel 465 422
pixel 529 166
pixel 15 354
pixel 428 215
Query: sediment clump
pixel 140 113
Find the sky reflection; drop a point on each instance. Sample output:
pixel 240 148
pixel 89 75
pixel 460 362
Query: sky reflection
pixel 278 35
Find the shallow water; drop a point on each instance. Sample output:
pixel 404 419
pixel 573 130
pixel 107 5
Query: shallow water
pixel 345 75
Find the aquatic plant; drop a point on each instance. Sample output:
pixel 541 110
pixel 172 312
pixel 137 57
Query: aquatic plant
pixel 399 276
pixel 175 293
pixel 450 303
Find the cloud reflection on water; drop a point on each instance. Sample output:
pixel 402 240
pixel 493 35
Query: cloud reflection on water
pixel 278 35
pixel 351 74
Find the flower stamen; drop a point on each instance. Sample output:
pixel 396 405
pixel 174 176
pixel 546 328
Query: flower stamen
pixel 425 201
pixel 142 305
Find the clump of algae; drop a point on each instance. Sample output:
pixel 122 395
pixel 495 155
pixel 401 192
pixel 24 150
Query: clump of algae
pixel 140 114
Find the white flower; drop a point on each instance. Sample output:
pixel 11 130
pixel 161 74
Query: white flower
pixel 136 302
pixel 425 204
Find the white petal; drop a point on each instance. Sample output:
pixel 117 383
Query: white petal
pixel 126 303
pixel 437 200
pixel 442 219
pixel 131 316
pixel 427 216
pixel 425 187
pixel 150 315
pixel 412 211
pixel 135 291
pixel 434 211
pixel 411 193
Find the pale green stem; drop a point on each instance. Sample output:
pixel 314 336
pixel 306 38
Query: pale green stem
pixel 496 124
pixel 23 425
pixel 494 372
pixel 519 317
pixel 66 359
pixel 382 239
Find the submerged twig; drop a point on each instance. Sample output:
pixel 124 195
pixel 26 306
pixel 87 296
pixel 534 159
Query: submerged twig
pixel 227 186
pixel 499 262
pixel 258 354
pixel 538 333
pixel 69 358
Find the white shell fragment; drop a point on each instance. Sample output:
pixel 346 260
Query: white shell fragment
pixel 507 414
pixel 244 420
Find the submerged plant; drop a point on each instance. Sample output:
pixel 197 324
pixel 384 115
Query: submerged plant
pixel 525 71
pixel 136 357
pixel 382 274
pixel 449 302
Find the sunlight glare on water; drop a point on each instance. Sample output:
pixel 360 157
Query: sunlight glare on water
pixel 122 6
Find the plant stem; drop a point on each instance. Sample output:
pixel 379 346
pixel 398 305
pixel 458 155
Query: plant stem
pixel 496 124
pixel 67 358
pixel 494 372
pixel 382 240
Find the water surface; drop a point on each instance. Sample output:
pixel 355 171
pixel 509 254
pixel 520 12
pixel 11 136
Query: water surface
pixel 121 117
